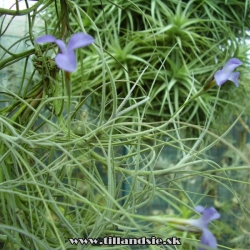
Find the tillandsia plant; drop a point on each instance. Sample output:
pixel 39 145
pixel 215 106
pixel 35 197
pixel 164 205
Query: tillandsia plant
pixel 122 166
pixel 208 214
pixel 66 60
pixel 220 77
pixel 168 34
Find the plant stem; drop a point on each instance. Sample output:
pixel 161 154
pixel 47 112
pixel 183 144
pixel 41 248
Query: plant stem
pixel 68 89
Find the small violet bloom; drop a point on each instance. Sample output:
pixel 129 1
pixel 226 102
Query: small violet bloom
pixel 226 73
pixel 208 214
pixel 66 60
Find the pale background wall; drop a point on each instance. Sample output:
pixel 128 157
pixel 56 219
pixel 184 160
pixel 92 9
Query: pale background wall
pixel 18 28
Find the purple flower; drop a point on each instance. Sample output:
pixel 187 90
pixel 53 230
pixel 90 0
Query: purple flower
pixel 208 214
pixel 226 73
pixel 66 60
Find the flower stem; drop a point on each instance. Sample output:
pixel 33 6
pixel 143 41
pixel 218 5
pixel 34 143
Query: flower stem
pixel 68 89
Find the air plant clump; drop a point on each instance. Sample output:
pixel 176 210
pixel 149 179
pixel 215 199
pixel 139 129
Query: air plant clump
pixel 94 171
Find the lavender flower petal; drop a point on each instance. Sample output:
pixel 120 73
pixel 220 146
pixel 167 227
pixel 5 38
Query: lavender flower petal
pixel 66 61
pixel 79 40
pixel 61 45
pixel 45 39
pixel 220 77
pixel 234 78
pixel 208 239
pixel 199 209
pixel 231 65
pixel 208 214
pixel 225 74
